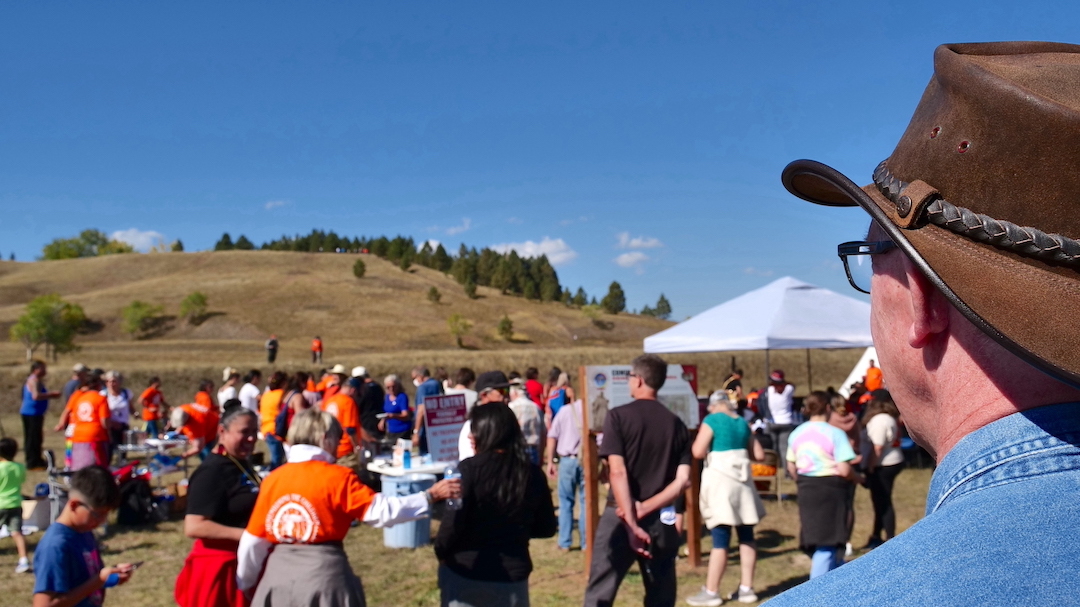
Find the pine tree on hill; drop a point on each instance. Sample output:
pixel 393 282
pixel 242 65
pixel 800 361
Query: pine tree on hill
pixel 225 244
pixel 663 308
pixel 615 300
pixel 440 260
pixel 243 244
pixel 580 298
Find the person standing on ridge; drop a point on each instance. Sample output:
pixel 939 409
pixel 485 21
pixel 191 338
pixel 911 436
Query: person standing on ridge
pixel 271 349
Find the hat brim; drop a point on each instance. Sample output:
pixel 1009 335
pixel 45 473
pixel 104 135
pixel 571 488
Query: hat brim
pixel 989 286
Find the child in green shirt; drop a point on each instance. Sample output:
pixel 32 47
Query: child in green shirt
pixel 12 477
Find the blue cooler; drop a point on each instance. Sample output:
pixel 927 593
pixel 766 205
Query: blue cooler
pixel 412 534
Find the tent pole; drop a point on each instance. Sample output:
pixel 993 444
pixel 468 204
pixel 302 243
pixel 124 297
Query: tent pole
pixel 767 368
pixel 809 375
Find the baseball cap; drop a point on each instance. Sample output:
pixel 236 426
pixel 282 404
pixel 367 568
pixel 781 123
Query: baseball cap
pixel 776 376
pixel 80 368
pixel 339 370
pixel 491 380
pixel 359 371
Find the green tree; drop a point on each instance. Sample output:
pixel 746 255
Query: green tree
pixel 359 268
pixel 434 296
pixel 225 244
pixel 647 311
pixel 506 328
pixel 243 244
pixel 470 289
pixel 663 308
pixel 459 326
pixel 177 246
pixel 440 260
pixel 405 262
pixel 139 317
pixel 89 243
pixel 51 322
pixel 580 298
pixel 193 307
pixel 615 300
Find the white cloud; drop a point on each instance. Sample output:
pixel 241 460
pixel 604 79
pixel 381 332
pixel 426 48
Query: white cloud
pixel 631 259
pixel 142 240
pixel 434 244
pixel 275 204
pixel 466 223
pixel 557 251
pixel 515 220
pixel 640 242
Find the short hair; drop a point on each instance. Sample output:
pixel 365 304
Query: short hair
pixel 391 378
pixel 422 371
pixel 205 385
pixel 233 375
pixel 720 398
pixel 532 373
pixel 153 380
pixel 252 374
pixel 178 417
pixel 36 364
pixel 96 485
pixel 441 374
pixel 651 369
pixel 739 372
pixel 234 411
pixel 817 403
pixel 114 375
pixel 314 427
pixel 464 376
pixel 8 448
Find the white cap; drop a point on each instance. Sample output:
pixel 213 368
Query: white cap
pixel 359 371
pixel 339 370
pixel 226 373
pixel 80 368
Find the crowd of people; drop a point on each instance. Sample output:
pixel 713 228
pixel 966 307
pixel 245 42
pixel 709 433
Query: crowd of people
pixel 317 429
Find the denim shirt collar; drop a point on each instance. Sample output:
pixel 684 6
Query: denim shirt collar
pixel 1037 441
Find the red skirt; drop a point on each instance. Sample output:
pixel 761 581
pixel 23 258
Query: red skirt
pixel 208 578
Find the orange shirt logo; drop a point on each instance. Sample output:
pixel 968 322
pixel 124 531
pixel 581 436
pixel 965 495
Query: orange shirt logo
pixel 293 520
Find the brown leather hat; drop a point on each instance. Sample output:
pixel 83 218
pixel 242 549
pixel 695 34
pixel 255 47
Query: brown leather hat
pixel 983 193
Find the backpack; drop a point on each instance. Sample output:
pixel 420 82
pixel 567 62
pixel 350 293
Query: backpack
pixel 136 503
pixel 283 419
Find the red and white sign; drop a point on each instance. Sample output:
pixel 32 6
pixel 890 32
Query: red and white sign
pixel 445 415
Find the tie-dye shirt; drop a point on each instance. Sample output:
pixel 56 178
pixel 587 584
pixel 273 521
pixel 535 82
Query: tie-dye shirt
pixel 815 447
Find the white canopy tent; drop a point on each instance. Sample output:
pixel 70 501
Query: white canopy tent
pixel 785 314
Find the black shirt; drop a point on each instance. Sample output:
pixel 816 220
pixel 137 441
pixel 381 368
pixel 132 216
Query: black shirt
pixel 652 440
pixel 220 491
pixel 483 542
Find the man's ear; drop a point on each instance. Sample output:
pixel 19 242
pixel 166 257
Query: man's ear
pixel 929 308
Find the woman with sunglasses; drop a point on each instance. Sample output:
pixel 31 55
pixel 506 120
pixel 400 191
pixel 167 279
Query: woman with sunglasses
pixel 221 497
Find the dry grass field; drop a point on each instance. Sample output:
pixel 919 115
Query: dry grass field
pixel 394 578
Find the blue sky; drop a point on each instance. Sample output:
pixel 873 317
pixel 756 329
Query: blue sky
pixel 631 142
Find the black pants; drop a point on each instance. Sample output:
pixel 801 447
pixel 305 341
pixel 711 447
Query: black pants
pixel 880 482
pixel 612 557
pixel 32 437
pixel 271 355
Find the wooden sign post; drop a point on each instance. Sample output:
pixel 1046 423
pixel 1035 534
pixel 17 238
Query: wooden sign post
pixel 591 465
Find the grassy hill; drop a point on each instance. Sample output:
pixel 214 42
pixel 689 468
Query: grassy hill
pixel 383 321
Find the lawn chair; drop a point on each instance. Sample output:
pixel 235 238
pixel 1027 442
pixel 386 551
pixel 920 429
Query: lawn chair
pixel 770 485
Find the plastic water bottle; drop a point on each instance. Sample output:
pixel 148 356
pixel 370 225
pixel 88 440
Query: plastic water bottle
pixel 453 503
pixel 406 460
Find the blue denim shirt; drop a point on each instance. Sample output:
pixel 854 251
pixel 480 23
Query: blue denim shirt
pixel 1002 516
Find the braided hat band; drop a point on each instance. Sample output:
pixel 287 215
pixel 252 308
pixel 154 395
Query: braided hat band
pixel 1027 241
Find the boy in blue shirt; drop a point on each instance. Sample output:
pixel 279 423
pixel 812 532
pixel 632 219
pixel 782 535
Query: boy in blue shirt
pixel 67 561
pixel 12 477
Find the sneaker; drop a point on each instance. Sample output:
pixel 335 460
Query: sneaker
pixel 23 566
pixel 743 596
pixel 704 598
pixel 848 551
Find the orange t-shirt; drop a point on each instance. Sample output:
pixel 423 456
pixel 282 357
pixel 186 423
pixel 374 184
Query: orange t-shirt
pixel 331 390
pixel 269 407
pixel 202 422
pixel 873 379
pixel 310 385
pixel 203 398
pixel 309 503
pixel 151 404
pixel 316 345
pixel 89 409
pixel 343 408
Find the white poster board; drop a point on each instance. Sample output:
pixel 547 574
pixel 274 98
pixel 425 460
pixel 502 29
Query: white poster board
pixel 445 415
pixel 608 386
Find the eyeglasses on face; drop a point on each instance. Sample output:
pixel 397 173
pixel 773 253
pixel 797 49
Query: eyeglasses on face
pixel 856 257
